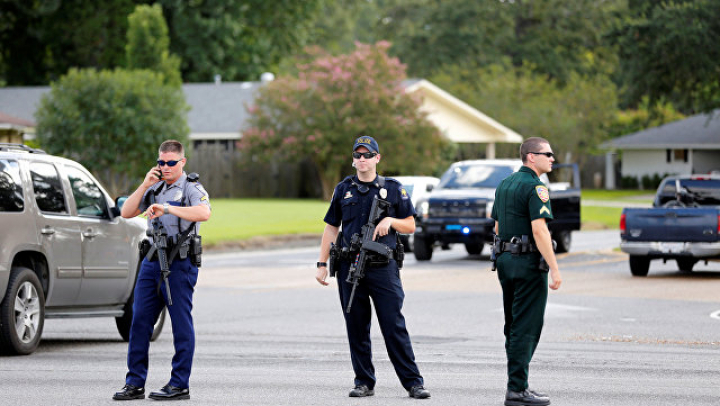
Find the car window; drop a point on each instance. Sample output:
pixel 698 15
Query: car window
pixel 705 192
pixel 409 189
pixel 48 189
pixel 11 195
pixel 89 200
pixel 474 176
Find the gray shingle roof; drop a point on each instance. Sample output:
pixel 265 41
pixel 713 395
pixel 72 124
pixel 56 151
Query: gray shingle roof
pixel 697 132
pixel 215 108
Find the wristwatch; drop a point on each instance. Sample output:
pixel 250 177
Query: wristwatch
pixel 321 264
pixel 166 208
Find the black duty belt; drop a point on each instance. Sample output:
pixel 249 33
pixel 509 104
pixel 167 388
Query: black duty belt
pixel 518 245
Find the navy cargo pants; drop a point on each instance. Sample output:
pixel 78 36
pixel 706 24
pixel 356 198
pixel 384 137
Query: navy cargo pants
pixel 525 292
pixel 383 285
pixel 146 309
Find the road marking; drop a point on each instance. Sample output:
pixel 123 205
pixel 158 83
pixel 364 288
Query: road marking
pixel 715 315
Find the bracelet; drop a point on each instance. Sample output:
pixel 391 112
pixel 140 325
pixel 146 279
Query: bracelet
pixel 166 208
pixel 321 264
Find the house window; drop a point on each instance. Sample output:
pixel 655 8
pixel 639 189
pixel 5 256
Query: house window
pixel 676 155
pixel 680 155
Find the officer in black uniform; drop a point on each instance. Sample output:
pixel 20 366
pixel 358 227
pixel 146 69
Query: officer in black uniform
pixel 181 203
pixel 350 207
pixel 521 209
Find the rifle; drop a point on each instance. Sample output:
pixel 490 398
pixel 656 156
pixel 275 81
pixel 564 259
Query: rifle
pixel 364 245
pixel 160 244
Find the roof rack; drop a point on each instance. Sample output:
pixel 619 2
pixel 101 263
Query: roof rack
pixel 20 148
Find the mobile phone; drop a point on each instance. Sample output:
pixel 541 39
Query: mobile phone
pixel 160 174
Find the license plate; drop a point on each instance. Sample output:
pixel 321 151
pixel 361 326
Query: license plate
pixel 453 227
pixel 671 247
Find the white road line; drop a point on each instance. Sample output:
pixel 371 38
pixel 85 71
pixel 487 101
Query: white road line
pixel 715 315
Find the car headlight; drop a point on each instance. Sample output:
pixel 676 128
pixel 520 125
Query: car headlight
pixel 423 208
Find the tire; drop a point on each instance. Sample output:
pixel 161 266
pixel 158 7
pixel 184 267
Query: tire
pixel 563 240
pixel 423 249
pixel 22 313
pixel 639 266
pixel 124 322
pixel 474 248
pixel 686 264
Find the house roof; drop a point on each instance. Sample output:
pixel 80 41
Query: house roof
pixel 697 132
pixel 218 110
pixel 7 120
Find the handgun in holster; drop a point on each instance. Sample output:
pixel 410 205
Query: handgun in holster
pixel 543 266
pixel 495 251
pixel 335 255
pixel 399 252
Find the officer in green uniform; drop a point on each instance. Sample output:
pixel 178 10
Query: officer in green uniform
pixel 521 209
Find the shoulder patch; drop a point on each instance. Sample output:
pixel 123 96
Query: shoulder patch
pixel 404 194
pixel 542 193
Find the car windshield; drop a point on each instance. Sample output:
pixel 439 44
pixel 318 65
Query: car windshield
pixel 473 176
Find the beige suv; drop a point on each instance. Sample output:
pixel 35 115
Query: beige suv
pixel 64 249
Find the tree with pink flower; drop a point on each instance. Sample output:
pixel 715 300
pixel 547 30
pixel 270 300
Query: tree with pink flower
pixel 317 114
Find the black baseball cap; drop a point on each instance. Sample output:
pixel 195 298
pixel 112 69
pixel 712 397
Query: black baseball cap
pixel 367 142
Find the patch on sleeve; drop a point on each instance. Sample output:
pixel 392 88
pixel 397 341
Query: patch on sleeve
pixel 542 193
pixel 545 209
pixel 201 189
pixel 404 193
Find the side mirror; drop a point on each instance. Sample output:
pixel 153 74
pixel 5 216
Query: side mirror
pixel 430 187
pixel 115 211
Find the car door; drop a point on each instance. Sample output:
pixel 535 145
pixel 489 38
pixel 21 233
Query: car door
pixel 59 235
pixel 105 242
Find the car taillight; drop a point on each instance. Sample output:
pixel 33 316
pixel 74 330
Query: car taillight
pixel 622 223
pixel 718 230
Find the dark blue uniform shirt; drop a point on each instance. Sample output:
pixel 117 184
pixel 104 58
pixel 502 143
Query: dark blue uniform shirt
pixel 351 208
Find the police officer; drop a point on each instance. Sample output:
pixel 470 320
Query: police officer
pixel 180 203
pixel 350 207
pixel 521 209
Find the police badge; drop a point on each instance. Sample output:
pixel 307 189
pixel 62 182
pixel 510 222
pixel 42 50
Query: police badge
pixel 383 193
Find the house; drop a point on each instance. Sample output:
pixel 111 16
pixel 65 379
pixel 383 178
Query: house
pixel 691 145
pixel 218 115
pixel 218 112
pixel 14 129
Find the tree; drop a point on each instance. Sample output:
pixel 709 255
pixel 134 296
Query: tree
pixel 41 40
pixel 572 117
pixel 237 39
pixel 669 51
pixel 148 44
pixel 92 116
pixel 318 113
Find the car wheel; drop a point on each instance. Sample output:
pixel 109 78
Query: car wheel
pixel 22 313
pixel 563 240
pixel 639 266
pixel 686 264
pixel 124 322
pixel 423 249
pixel 474 248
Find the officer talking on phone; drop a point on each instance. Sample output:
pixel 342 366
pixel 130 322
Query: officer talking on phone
pixel 180 204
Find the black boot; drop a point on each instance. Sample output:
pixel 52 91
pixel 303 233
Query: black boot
pixel 130 392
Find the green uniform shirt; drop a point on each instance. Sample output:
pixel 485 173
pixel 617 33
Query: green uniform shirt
pixel 519 199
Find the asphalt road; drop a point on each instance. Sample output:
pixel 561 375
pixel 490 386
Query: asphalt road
pixel 268 334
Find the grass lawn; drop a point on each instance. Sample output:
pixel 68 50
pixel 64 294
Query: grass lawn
pixel 239 219
pixel 600 218
pixel 638 196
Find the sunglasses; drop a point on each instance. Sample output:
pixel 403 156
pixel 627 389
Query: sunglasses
pixel 366 155
pixel 160 162
pixel 547 154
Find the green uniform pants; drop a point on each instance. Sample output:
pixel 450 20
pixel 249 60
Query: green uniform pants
pixel 525 291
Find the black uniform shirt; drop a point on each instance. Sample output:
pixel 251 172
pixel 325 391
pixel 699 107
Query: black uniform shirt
pixel 351 208
pixel 519 199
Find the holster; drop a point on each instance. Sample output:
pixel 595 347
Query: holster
pixel 495 251
pixel 335 255
pixel 195 250
pixel 144 247
pixel 399 253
